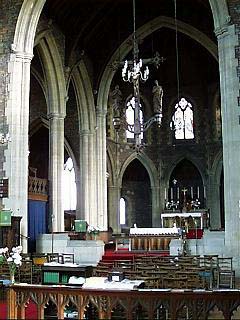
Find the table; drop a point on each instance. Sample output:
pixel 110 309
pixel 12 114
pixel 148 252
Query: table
pixel 57 273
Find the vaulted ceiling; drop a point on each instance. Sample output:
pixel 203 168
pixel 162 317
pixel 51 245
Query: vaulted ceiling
pixel 98 27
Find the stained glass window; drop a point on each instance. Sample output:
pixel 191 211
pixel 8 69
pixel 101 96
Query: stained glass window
pixel 182 120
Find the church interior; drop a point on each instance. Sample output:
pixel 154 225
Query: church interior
pixel 119 158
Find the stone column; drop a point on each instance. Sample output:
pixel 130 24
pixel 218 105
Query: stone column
pixel 156 214
pixel 113 210
pixel 101 166
pixel 56 163
pixel 78 192
pixel 213 202
pixel 229 81
pixel 16 165
pixel 87 205
pixel 84 172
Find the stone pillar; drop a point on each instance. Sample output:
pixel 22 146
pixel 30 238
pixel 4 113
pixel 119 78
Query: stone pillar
pixel 156 214
pixel 87 184
pixel 16 165
pixel 56 163
pixel 229 81
pixel 113 210
pixel 213 202
pixel 92 192
pixel 101 165
pixel 84 172
pixel 78 192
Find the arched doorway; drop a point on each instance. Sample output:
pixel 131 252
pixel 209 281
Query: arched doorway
pixel 137 193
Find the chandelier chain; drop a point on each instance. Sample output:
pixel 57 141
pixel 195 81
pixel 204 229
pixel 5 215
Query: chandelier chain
pixel 177 49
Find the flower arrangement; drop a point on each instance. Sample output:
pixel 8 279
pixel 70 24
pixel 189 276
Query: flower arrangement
pixel 93 230
pixel 13 259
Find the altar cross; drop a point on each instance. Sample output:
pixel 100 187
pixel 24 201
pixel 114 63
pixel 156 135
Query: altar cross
pixel 184 190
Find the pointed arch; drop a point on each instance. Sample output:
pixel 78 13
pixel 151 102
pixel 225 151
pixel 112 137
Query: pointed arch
pixel 146 162
pixel 54 73
pixel 187 156
pixel 142 33
pixel 112 178
pixel 84 95
pixel 220 13
pixel 26 25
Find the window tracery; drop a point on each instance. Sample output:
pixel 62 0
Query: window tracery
pixel 182 120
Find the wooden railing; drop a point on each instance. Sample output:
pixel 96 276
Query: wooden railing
pixel 122 304
pixel 37 188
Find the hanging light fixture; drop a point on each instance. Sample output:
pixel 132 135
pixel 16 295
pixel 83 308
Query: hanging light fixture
pixel 133 71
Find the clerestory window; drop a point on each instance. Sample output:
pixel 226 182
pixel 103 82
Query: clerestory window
pixel 182 120
pixel 130 118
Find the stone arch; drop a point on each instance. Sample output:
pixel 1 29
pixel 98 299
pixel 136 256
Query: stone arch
pixel 141 33
pixel 26 25
pixel 112 178
pixel 189 157
pixel 53 69
pixel 84 95
pixel 146 162
pixel 220 13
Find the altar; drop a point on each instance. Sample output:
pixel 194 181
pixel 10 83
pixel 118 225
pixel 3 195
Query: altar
pixel 152 239
pixel 190 220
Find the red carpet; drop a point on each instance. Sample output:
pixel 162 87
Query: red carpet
pixel 124 254
pixel 31 311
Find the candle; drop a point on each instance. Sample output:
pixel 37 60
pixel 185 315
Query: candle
pixel 177 193
pixel 192 192
pixel 165 194
pixel 171 193
pixel 198 192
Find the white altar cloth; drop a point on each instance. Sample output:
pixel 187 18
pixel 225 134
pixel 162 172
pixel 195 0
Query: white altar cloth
pixel 153 231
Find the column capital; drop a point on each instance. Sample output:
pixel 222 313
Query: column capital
pixel 54 115
pixel 85 133
pixel 21 55
pixel 222 31
pixel 101 112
